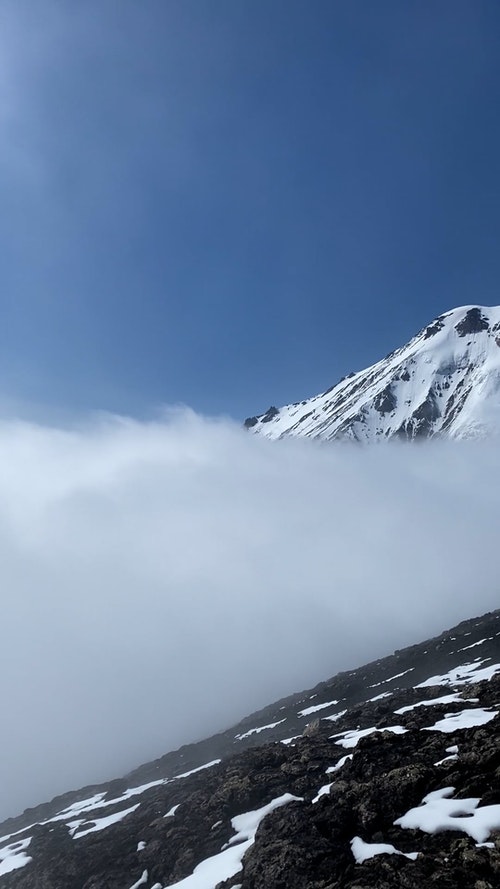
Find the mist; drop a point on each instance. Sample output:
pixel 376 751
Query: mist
pixel 162 579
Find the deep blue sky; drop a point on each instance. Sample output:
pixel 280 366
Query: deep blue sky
pixel 231 203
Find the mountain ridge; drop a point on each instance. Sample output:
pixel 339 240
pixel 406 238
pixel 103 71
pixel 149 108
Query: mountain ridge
pixel 445 382
pixel 386 728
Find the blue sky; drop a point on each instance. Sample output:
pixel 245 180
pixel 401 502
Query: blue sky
pixel 232 203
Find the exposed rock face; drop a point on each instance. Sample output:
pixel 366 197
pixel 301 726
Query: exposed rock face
pixel 473 322
pixel 360 751
pixel 444 382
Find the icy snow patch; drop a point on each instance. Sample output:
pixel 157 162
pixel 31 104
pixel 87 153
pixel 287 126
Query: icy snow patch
pixel 342 761
pixel 351 739
pixel 335 716
pixel 462 675
pixel 446 699
pixel 309 710
pixel 481 641
pixel 323 791
pixel 364 851
pixel 98 801
pixel 171 812
pixel 397 676
pixel 228 862
pixel 257 731
pixel 102 823
pixel 464 719
pixel 437 813
pixel 140 882
pixel 450 758
pixel 13 856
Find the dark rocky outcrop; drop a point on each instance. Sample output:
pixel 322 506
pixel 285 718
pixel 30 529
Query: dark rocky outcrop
pixel 386 401
pixel 472 322
pixel 270 414
pixel 434 328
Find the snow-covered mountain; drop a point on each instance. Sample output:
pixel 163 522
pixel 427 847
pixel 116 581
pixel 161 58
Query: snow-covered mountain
pixel 444 382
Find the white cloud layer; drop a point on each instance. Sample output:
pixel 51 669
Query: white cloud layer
pixel 160 580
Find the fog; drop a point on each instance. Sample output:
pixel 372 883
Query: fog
pixel 162 579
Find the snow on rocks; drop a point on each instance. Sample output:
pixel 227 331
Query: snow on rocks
pixel 464 719
pixel 390 679
pixel 141 881
pixel 437 813
pixel 364 851
pixel 323 791
pixel 221 867
pixel 14 856
pixel 102 823
pixel 342 761
pixel 351 738
pixel 445 699
pixel 463 675
pixel 257 731
pixel 453 754
pixel 335 717
pixel 316 707
pixel 171 812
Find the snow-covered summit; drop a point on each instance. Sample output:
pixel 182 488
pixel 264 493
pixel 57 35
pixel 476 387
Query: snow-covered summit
pixel 444 382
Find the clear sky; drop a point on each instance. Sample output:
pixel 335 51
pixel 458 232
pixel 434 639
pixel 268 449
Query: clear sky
pixel 232 203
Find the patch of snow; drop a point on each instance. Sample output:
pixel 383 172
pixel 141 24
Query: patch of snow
pixel 314 709
pixel 140 882
pixel 323 791
pixel 207 765
pixel 437 813
pixel 335 716
pixel 16 833
pixel 481 642
pixel 140 846
pixel 450 758
pixel 80 806
pixel 464 719
pixel 171 812
pixel 352 738
pixel 98 801
pixel 225 864
pixel 384 694
pixel 445 699
pixel 364 851
pixel 257 731
pixel 397 676
pixel 103 823
pixel 342 761
pixel 13 856
pixel 462 675
pixel 289 740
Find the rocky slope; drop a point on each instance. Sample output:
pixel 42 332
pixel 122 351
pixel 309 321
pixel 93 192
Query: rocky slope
pixel 386 776
pixel 445 381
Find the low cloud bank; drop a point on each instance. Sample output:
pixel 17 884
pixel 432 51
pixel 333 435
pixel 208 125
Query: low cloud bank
pixel 160 580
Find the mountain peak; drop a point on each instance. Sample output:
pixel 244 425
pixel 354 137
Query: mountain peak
pixel 444 382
